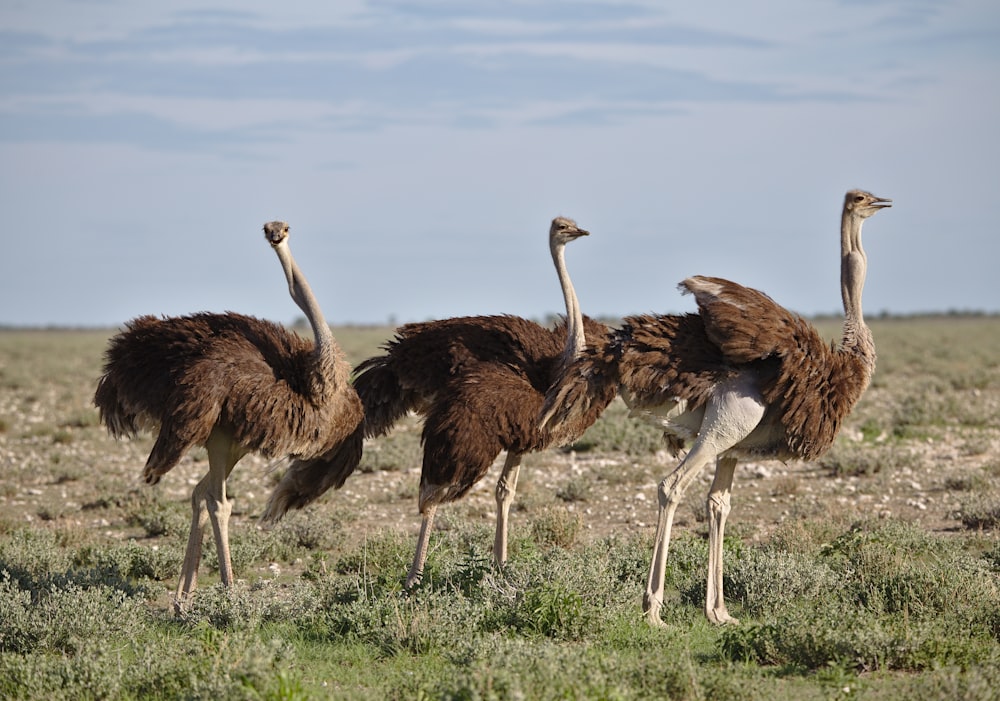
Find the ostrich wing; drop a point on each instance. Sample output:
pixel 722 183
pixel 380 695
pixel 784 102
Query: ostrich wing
pixel 489 408
pixel 665 358
pixel 425 355
pixel 744 323
pixel 814 386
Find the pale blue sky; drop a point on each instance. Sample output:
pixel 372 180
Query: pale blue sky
pixel 420 148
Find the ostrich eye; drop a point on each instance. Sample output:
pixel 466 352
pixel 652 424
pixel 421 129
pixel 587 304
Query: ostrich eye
pixel 858 198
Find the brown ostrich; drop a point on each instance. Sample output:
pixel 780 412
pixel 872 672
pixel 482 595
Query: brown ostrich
pixel 479 383
pixel 235 385
pixel 743 378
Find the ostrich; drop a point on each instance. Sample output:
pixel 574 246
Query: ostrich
pixel 233 384
pixel 479 383
pixel 742 378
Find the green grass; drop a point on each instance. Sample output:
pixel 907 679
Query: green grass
pixel 878 600
pixel 833 602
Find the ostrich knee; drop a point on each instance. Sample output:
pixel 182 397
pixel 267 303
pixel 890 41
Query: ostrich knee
pixel 717 507
pixel 669 493
pixel 505 491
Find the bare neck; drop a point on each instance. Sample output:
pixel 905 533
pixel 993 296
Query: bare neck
pixel 303 296
pixel 853 268
pixel 575 339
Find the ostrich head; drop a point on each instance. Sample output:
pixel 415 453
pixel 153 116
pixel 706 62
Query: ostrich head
pixel 275 232
pixel 564 230
pixel 864 204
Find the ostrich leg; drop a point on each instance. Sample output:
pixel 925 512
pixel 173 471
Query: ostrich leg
pixel 717 507
pixel 670 493
pixel 731 415
pixel 423 540
pixel 192 556
pixel 506 489
pixel 209 503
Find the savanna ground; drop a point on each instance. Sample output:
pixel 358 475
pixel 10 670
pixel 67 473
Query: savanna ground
pixel 872 573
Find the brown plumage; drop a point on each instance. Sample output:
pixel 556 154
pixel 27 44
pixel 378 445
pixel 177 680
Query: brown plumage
pixel 742 378
pixel 234 384
pixel 479 383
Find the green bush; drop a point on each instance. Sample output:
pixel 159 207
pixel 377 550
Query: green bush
pixel 980 510
pixel 64 618
pixel 130 561
pixel 766 580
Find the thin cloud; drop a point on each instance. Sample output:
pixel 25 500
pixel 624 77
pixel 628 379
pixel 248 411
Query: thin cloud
pixel 688 138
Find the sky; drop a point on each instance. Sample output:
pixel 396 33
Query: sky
pixel 419 150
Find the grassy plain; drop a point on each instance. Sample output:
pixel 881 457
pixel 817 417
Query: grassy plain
pixel 873 573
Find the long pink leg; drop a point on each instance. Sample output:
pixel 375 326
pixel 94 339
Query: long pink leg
pixel 506 489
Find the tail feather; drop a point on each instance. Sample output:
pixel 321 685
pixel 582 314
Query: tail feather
pixel 120 422
pixel 385 400
pixel 168 449
pixel 307 480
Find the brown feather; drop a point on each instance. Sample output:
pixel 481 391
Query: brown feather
pixel 743 323
pixel 815 387
pixel 479 383
pixel 659 359
pixel 669 357
pixel 181 376
pixel 307 479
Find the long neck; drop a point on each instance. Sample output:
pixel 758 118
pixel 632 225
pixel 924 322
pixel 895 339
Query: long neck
pixel 303 296
pixel 575 338
pixel 853 267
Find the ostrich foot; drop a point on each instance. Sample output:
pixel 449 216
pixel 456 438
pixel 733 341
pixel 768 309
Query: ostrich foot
pixel 720 616
pixel 651 608
pixel 182 604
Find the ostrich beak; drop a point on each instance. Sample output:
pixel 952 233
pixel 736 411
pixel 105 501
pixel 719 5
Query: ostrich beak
pixel 881 202
pixel 275 232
